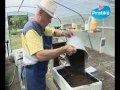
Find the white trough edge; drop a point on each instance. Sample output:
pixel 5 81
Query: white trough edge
pixel 65 86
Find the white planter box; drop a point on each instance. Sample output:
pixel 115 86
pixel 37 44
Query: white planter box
pixel 18 55
pixel 61 82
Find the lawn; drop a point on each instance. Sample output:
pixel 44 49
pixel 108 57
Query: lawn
pixel 16 41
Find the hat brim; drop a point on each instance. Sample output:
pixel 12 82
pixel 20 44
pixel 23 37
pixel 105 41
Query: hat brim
pixel 44 9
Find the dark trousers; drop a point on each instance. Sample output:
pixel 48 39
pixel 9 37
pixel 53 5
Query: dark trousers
pixel 34 76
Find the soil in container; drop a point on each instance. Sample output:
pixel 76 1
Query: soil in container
pixel 75 79
pixel 77 61
pixel 75 74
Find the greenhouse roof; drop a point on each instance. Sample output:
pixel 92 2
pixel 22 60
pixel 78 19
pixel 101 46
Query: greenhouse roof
pixel 80 6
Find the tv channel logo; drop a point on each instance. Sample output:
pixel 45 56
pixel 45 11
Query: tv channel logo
pixel 101 12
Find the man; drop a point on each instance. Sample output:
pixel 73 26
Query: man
pixel 36 43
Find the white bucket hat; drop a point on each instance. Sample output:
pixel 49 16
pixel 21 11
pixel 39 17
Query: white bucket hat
pixel 49 6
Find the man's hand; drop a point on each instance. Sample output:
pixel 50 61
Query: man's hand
pixel 70 50
pixel 68 32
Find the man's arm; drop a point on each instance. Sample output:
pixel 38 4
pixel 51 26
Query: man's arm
pixel 44 55
pixel 67 32
pixel 59 32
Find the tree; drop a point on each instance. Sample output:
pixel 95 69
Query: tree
pixel 17 22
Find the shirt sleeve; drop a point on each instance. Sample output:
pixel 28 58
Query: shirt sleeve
pixel 34 41
pixel 49 31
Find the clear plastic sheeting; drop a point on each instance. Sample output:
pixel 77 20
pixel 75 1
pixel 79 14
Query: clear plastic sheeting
pixel 65 16
pixel 81 6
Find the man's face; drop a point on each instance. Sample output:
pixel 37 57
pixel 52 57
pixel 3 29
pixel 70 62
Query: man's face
pixel 46 19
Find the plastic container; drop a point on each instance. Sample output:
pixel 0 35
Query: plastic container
pixel 77 43
pixel 64 85
pixel 76 26
pixel 93 25
pixel 77 60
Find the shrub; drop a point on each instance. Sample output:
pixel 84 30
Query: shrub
pixel 13 31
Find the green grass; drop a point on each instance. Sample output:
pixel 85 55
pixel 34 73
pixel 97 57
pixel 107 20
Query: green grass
pixel 16 41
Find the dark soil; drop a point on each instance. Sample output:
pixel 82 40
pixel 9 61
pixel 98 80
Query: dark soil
pixel 77 61
pixel 75 74
pixel 76 78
